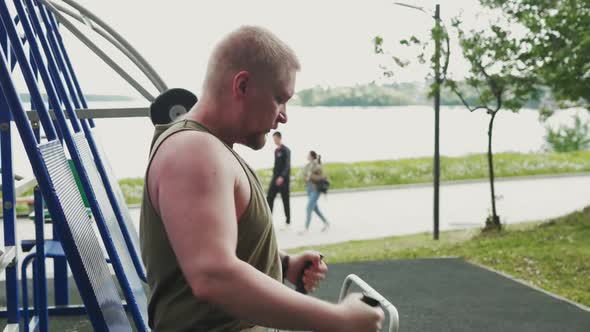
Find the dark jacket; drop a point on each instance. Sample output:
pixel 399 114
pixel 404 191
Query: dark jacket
pixel 282 165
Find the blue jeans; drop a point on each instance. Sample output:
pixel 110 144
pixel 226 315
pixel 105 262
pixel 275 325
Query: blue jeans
pixel 312 205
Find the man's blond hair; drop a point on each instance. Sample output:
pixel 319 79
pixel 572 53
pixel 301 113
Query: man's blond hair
pixel 253 49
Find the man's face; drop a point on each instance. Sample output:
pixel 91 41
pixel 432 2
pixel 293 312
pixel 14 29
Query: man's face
pixel 265 108
pixel 277 140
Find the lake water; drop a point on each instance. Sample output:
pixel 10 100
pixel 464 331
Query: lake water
pixel 340 134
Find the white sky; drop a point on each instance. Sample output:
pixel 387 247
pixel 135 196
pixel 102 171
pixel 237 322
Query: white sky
pixel 333 39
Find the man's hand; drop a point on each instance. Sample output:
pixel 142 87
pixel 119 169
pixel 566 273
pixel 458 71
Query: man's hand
pixel 313 275
pixel 357 316
pixel 279 181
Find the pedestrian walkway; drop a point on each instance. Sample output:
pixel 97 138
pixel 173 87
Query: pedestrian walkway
pixel 380 213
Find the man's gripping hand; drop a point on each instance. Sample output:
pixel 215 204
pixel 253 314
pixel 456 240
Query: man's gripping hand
pixel 312 275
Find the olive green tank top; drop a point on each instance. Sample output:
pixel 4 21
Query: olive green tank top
pixel 172 304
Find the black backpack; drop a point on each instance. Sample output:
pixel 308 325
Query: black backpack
pixel 323 185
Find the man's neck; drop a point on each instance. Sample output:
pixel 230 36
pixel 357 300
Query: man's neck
pixel 211 117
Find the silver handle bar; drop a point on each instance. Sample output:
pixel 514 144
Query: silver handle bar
pixel 390 310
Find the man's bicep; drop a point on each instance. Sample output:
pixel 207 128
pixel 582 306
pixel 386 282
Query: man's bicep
pixel 197 208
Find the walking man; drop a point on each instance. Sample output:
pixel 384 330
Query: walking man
pixel 281 173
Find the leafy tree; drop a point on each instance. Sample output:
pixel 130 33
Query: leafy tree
pixel 497 75
pixel 556 45
pixel 569 138
pixel 497 78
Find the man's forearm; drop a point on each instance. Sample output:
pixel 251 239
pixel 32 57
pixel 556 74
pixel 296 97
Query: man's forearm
pixel 253 296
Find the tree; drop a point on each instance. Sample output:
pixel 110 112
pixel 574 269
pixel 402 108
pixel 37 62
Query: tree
pixel 556 45
pixel 569 138
pixel 501 81
pixel 496 73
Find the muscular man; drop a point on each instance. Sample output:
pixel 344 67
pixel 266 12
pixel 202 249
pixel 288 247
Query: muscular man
pixel 207 236
pixel 281 174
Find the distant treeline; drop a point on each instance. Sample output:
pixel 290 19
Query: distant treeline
pixel 25 97
pixel 397 94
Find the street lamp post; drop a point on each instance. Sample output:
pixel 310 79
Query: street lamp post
pixel 436 124
pixel 438 81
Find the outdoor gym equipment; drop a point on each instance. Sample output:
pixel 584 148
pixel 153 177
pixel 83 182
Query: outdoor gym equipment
pixel 170 105
pixel 372 298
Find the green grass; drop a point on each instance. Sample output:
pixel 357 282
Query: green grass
pixel 414 170
pixel 419 170
pixel 553 255
pixel 132 190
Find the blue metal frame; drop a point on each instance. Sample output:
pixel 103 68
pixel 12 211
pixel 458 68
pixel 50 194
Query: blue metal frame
pixel 8 205
pixel 61 119
pixel 8 194
pixel 39 168
pixel 66 58
pixel 51 32
pixel 40 282
pixel 42 176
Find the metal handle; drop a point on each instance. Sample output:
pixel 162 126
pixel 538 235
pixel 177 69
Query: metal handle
pixel 390 310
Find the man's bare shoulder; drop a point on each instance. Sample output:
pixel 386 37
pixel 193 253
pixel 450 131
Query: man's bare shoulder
pixel 190 148
pixel 191 156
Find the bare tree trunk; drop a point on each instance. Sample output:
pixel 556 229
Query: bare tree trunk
pixel 494 222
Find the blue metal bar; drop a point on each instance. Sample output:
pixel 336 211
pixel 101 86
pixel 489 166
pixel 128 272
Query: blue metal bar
pixel 4 40
pixel 25 289
pixel 70 310
pixel 60 264
pixel 96 211
pixel 38 165
pixel 58 55
pixel 61 281
pixel 28 75
pixel 23 40
pixel 35 295
pixel 41 275
pixel 66 57
pixel 8 204
pixel 135 256
pixel 49 78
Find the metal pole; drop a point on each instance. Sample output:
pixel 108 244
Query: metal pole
pixel 436 125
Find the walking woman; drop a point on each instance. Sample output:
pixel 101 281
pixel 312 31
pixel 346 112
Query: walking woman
pixel 312 174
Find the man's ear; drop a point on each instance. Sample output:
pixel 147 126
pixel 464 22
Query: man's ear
pixel 240 83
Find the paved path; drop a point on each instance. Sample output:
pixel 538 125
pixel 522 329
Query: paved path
pixel 373 214
pixel 359 215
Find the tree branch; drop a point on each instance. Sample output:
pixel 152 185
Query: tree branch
pixel 446 66
pixel 493 86
pixel 471 109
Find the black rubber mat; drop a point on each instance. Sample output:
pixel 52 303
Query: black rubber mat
pixel 437 295
pixel 453 295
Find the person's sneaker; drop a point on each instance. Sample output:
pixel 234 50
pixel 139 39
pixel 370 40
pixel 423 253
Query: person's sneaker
pixel 326 227
pixel 303 232
pixel 285 227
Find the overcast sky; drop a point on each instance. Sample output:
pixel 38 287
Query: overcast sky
pixel 332 38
